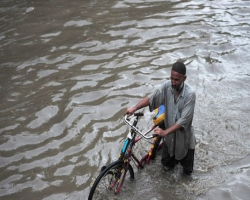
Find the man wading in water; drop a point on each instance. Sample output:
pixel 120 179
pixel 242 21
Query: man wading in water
pixel 179 101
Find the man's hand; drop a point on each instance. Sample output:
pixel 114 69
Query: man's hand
pixel 159 131
pixel 143 103
pixel 130 111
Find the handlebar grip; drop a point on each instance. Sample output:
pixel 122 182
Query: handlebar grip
pixel 139 114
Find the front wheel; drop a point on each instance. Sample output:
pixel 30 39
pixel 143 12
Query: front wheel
pixel 110 181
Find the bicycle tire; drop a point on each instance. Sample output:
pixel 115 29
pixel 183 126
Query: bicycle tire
pixel 110 181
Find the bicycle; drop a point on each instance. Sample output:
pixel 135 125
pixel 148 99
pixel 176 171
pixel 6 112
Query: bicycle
pixel 111 178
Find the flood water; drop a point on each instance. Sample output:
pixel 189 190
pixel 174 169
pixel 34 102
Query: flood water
pixel 69 69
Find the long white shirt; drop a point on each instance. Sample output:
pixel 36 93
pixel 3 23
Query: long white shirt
pixel 180 111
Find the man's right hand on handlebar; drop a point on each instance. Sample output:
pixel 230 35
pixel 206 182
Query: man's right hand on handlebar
pixel 143 103
pixel 130 111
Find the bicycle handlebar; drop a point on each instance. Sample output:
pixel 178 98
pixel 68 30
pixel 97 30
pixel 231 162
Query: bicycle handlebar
pixel 136 130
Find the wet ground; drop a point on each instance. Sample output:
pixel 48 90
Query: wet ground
pixel 68 70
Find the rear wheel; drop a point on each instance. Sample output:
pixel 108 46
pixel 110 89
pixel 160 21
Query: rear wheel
pixel 110 181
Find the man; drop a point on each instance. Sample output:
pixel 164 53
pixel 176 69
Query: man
pixel 179 101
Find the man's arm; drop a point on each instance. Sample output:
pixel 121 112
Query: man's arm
pixel 172 129
pixel 143 103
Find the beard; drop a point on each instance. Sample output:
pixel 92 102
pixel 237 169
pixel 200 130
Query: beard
pixel 177 88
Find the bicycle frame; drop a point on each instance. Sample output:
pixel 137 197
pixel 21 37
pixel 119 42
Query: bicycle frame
pixel 131 140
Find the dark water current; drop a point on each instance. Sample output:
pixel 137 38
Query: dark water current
pixel 68 70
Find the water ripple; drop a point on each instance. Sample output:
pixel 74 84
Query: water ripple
pixel 69 71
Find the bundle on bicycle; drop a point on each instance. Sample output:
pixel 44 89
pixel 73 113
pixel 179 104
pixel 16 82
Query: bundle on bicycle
pixel 112 177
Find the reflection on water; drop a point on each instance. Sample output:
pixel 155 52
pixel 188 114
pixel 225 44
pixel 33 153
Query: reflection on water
pixel 69 70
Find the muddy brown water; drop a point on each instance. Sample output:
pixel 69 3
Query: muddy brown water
pixel 69 69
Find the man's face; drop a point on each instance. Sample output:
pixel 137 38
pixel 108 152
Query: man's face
pixel 177 81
